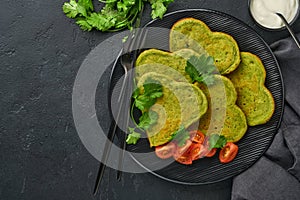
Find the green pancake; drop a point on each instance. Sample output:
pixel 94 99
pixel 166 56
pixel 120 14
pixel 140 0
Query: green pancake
pixel 170 64
pixel 254 98
pixel 182 104
pixel 195 34
pixel 223 116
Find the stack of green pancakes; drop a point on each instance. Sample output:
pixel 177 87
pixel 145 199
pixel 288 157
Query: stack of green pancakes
pixel 236 99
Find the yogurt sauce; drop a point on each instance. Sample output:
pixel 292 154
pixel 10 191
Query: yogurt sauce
pixel 264 11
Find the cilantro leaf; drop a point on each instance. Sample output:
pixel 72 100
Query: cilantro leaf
pixel 181 136
pixel 147 119
pixel 84 25
pixel 136 93
pixel 143 102
pixel 87 4
pixel 152 91
pixel 133 137
pixel 217 141
pixel 159 8
pixel 73 9
pixel 201 69
pixel 192 71
pixel 101 22
pixel 152 88
pixel 125 5
pixel 114 15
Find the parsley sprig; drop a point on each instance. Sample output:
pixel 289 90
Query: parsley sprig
pixel 133 137
pixel 143 100
pixel 201 69
pixel 145 121
pixel 115 14
pixel 152 91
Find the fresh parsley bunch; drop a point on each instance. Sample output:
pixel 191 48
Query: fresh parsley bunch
pixel 115 15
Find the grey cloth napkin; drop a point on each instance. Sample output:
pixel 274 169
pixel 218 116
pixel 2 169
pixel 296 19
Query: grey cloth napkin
pixel 277 174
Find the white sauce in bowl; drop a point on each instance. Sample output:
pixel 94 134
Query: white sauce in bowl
pixel 264 12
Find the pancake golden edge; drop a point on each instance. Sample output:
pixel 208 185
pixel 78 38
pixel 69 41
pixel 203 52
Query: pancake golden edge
pixel 192 33
pixel 223 116
pixel 177 107
pixel 254 98
pixel 171 64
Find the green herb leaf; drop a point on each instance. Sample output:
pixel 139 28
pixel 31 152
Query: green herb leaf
pixel 73 9
pixel 101 22
pixel 159 8
pixel 201 69
pixel 181 136
pixel 147 119
pixel 143 102
pixel 136 93
pixel 152 88
pixel 152 91
pixel 114 15
pixel 84 25
pixel 192 71
pixel 133 137
pixel 217 141
pixel 87 4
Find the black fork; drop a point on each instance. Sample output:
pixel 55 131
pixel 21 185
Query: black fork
pixel 127 60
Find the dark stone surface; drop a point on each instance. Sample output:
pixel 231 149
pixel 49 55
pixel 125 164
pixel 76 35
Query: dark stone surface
pixel 42 156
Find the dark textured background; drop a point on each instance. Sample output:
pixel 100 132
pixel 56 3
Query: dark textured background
pixel 41 154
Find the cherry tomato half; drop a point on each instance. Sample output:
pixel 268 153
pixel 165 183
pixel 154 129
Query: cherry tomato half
pixel 212 152
pixel 165 151
pixel 194 150
pixel 180 150
pixel 228 152
pixel 182 154
pixel 202 153
pixel 197 136
pixel 184 159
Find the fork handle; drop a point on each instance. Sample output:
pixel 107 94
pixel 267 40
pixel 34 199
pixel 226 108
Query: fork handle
pixel 107 148
pixel 110 137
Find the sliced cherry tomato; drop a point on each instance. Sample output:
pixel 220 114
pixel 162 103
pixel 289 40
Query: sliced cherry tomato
pixel 228 152
pixel 182 155
pixel 197 136
pixel 194 150
pixel 212 152
pixel 203 151
pixel 184 159
pixel 180 150
pixel 165 151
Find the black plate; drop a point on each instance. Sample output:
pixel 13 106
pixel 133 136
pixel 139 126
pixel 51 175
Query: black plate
pixel 257 139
